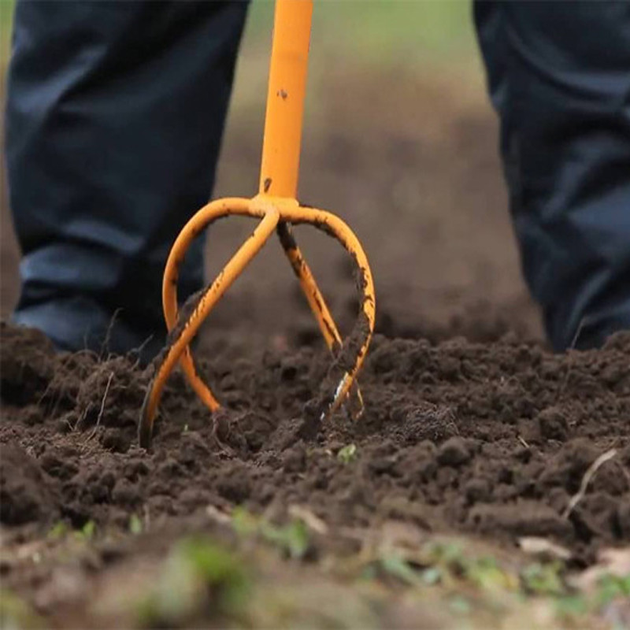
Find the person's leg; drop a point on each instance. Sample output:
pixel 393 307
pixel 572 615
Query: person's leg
pixel 115 113
pixel 558 76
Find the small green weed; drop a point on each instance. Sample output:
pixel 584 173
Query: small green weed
pixel 88 531
pixel 58 530
pixel 135 525
pixel 16 614
pixel 395 565
pixel 198 578
pixel 347 454
pixel 568 606
pixel 292 538
pixel 611 587
pixel 543 579
pixel 61 529
pixel 485 573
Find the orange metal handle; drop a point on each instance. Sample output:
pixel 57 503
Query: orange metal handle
pixel 285 98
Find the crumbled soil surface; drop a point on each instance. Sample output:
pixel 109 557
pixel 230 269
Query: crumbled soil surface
pixel 489 439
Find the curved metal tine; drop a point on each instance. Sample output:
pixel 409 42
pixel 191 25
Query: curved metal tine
pixel 317 303
pixel 345 368
pixel 206 302
pixel 199 222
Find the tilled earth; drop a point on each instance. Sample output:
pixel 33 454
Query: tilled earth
pixel 488 439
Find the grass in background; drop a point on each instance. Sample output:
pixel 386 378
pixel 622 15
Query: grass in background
pixel 428 36
pixel 6 15
pixel 415 31
pixel 364 37
pixel 419 30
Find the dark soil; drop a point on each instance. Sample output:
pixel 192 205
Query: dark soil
pixel 488 439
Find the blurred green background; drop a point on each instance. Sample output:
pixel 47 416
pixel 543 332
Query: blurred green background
pixel 414 31
pixel 384 30
pixel 356 37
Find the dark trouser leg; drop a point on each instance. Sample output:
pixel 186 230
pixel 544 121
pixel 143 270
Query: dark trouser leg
pixel 559 78
pixel 114 120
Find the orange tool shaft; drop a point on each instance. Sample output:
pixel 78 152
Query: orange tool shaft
pixel 285 98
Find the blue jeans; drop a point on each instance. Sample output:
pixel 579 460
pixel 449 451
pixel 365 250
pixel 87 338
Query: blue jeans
pixel 115 115
pixel 559 77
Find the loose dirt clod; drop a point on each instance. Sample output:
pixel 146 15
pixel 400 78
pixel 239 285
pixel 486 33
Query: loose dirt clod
pixel 27 494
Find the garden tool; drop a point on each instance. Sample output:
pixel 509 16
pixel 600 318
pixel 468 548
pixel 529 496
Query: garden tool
pixel 277 208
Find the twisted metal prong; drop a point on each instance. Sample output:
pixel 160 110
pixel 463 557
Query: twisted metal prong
pixel 318 306
pixel 277 214
pixel 349 359
pixel 183 333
